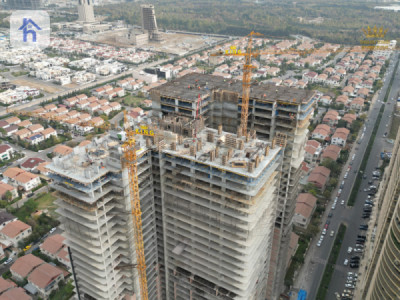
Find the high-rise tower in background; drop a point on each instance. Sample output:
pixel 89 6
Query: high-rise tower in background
pixel 149 22
pixel 85 11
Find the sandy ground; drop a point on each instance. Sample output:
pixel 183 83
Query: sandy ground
pixel 38 85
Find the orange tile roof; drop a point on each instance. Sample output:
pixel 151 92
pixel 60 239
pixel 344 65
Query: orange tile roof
pixel 43 275
pixel 53 243
pixel 14 228
pixel 15 294
pixel 63 150
pixel 25 264
pixel 305 204
pixel 4 187
pixel 6 284
pixel 25 177
pixel 13 172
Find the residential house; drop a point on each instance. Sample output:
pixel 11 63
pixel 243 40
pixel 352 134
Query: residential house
pixel 342 99
pixel 16 293
pixel 339 138
pixel 10 130
pixel 48 132
pixel 326 100
pixel 24 179
pixel 6 218
pixel 54 247
pixel 61 111
pixel 4 188
pixel 62 150
pixel 103 102
pixel 93 107
pixel 13 121
pixel 6 152
pixel 310 76
pixel 31 163
pixel 119 91
pixel 92 99
pixel 312 151
pixel 321 132
pixel 319 177
pixel 147 103
pixel 24 265
pixel 331 118
pixel 305 207
pixel 85 117
pixel 45 279
pixel 115 106
pixel 3 124
pixel 25 123
pixel 332 152
pixel 82 104
pixel 96 121
pixel 35 128
pixel 50 107
pixel 15 231
pixel 349 118
pixel 71 101
pixel 35 138
pixel 21 134
pixel 363 93
pixel 357 104
pixel 41 168
pixel 104 110
pixel 6 285
pixel 81 97
pixel 348 90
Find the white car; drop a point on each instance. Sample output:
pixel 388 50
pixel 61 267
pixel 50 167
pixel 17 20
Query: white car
pixel 339 192
pixel 319 243
pixel 342 202
pixel 346 262
pixel 349 250
pixel 324 231
pixel 52 230
pixel 8 261
pixel 349 286
pixel 333 206
pixel 332 233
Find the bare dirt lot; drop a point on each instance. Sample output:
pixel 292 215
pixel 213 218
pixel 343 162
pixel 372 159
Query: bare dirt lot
pixel 47 87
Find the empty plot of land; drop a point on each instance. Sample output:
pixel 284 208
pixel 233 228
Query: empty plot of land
pixel 47 87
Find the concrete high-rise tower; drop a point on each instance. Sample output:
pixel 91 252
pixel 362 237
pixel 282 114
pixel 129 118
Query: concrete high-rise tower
pixel 273 110
pixel 85 11
pixel 149 22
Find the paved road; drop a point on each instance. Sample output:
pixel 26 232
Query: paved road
pixel 353 216
pixel 315 261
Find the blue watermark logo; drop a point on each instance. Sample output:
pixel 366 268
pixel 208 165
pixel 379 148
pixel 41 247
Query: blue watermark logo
pixel 30 29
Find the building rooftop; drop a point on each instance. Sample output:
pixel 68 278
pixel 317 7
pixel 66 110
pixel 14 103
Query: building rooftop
pixel 25 264
pixel 190 86
pixel 6 284
pixel 14 228
pixel 32 162
pixel 15 294
pixel 5 217
pixel 53 243
pixel 43 275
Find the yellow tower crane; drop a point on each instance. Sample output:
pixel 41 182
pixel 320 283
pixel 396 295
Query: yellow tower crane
pixel 130 161
pixel 246 81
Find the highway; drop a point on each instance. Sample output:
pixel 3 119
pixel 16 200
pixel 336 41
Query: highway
pixel 310 274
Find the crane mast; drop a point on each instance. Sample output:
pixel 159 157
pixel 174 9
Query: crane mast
pixel 130 160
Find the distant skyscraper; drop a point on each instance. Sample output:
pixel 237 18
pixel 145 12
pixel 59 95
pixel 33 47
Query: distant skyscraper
pixel 149 22
pixel 24 4
pixel 85 11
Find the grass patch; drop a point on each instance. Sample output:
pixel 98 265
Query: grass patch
pixel 330 266
pixel 46 201
pixel 20 73
pixel 64 292
pixel 357 183
pixel 133 101
pixel 4 70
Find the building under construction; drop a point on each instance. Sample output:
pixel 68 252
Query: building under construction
pixel 273 110
pixel 208 211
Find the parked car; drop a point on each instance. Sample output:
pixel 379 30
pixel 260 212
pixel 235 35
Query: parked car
pixel 9 260
pixel 342 202
pixel 52 230
pixel 27 247
pixel 349 250
pixel 346 262
pixel 330 215
pixel 319 243
pixel 332 233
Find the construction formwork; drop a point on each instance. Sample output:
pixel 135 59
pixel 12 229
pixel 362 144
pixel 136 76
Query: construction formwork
pixel 218 202
pixel 273 111
pixel 95 213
